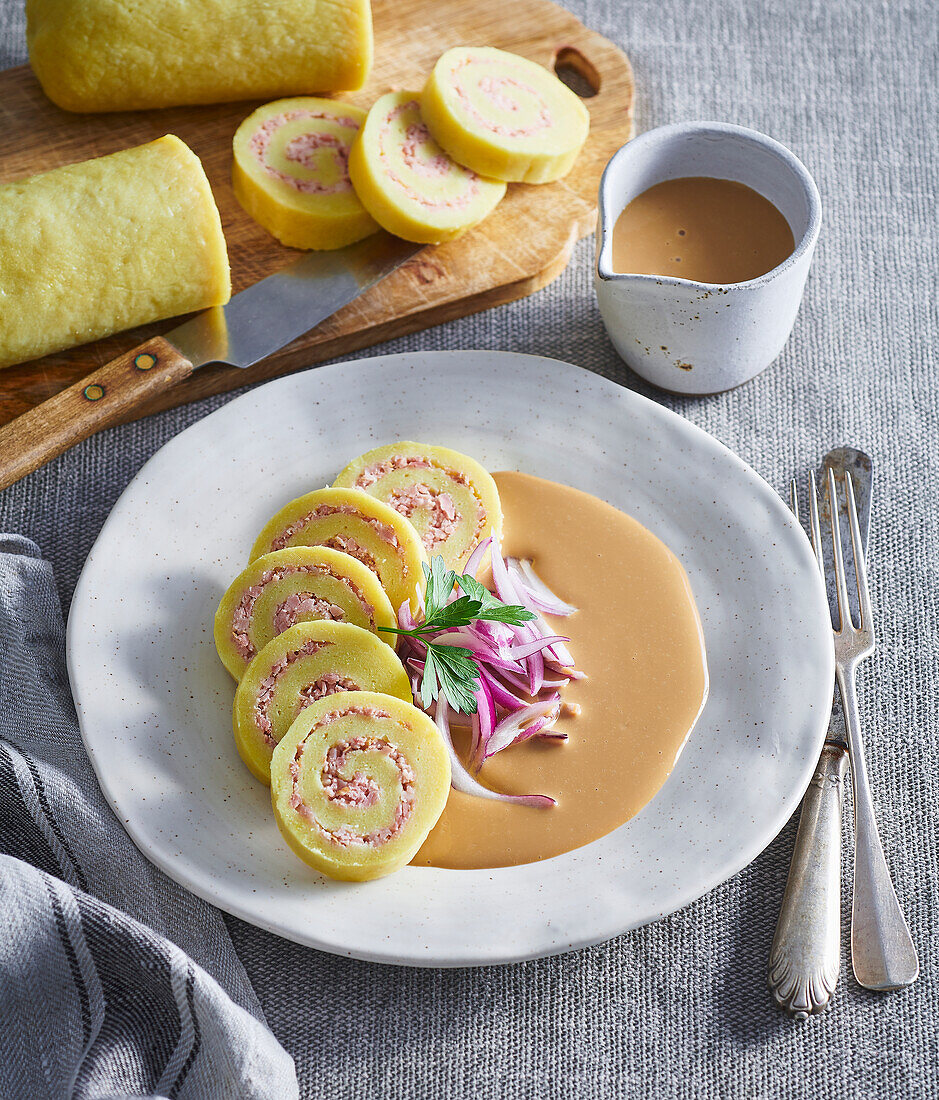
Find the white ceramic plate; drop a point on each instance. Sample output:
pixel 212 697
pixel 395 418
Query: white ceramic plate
pixel 154 701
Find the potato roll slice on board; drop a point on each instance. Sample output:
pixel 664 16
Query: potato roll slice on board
pixel 358 524
pixel 448 497
pixel 408 183
pixel 307 662
pixel 357 783
pixel 296 585
pixel 291 172
pixel 504 116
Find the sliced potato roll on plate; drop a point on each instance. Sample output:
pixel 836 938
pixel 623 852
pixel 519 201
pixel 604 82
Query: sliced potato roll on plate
pixel 357 783
pixel 299 584
pixel 358 524
pixel 450 499
pixel 307 662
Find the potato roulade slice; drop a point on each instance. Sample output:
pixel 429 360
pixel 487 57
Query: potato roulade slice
pixel 358 524
pixel 297 585
pixel 357 783
pixel 504 116
pixel 306 663
pixel 451 500
pixel 408 183
pixel 291 172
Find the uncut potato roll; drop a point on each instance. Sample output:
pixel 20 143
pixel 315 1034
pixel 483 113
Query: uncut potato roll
pixel 101 246
pixel 408 183
pixel 113 55
pixel 307 662
pixel 357 783
pixel 358 524
pixel 448 497
pixel 291 172
pixel 297 585
pixel 504 116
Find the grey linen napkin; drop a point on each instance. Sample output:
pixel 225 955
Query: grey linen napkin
pixel 114 981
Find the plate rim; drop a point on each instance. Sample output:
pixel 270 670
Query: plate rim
pixel 177 867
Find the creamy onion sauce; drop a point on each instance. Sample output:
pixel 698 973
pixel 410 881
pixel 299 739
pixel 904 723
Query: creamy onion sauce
pixel 637 636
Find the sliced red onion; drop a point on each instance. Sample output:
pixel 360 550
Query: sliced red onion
pixel 461 779
pixel 525 577
pixel 510 730
pixel 556 685
pixel 526 649
pixel 484 722
pixel 501 580
pixel 475 560
pixel 535 671
pixel 501 695
pixel 520 668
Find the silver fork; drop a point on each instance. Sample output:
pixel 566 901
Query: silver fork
pixel 882 951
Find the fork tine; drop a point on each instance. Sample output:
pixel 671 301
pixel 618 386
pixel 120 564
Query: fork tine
pixel 794 499
pixel 844 608
pixel 815 526
pixel 860 566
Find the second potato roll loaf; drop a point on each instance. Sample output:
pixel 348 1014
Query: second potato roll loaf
pixel 98 247
pixel 112 55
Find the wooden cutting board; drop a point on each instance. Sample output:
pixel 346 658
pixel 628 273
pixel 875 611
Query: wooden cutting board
pixel 522 246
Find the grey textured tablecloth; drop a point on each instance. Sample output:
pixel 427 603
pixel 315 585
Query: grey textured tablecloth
pixel 680 1009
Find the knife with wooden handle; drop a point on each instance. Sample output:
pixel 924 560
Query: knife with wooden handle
pixel 805 958
pixel 256 322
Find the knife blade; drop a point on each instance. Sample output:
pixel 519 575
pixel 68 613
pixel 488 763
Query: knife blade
pixel 256 322
pixel 271 313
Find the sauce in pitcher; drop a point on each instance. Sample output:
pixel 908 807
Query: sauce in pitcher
pixel 707 230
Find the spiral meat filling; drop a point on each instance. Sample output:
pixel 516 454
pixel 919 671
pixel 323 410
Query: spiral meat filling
pixel 360 790
pixel 295 605
pixel 450 500
pixel 504 116
pixel 266 690
pixel 291 172
pixel 357 524
pixel 385 533
pixel 308 663
pixel 357 783
pixel 408 183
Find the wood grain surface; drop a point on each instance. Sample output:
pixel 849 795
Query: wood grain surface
pixel 522 246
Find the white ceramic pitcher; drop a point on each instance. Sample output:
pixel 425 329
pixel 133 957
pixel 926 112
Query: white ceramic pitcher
pixel 692 337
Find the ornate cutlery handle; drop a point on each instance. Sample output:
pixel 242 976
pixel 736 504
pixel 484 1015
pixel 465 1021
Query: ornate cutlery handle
pixel 882 949
pixel 806 954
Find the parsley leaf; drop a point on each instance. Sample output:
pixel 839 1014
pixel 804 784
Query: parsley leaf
pixel 452 670
pixel 491 607
pixel 440 582
pixel 458 675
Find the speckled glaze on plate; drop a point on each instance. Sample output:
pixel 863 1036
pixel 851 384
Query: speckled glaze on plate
pixel 154 701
